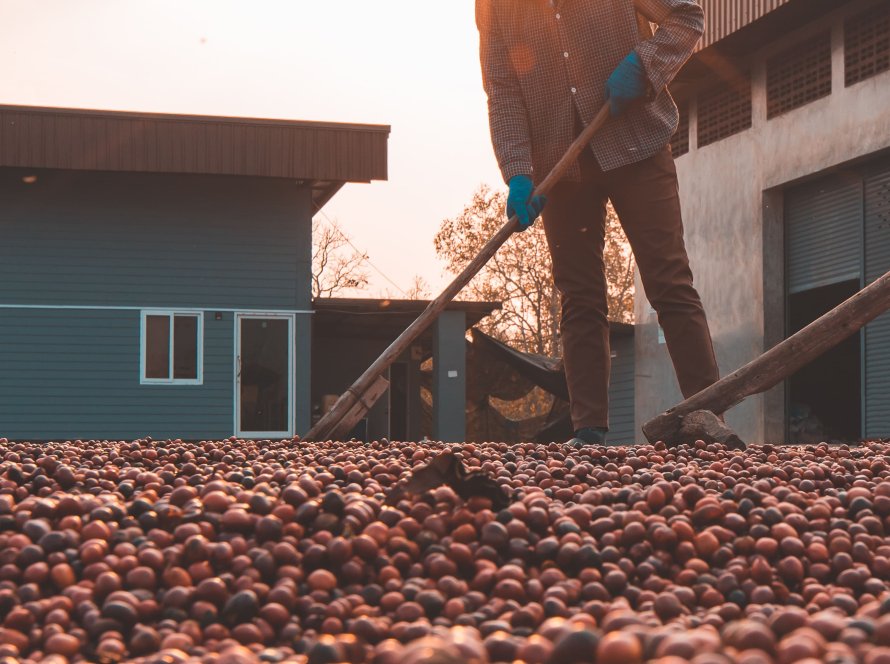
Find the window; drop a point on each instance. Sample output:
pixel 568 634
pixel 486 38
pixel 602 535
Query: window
pixel 799 75
pixel 867 44
pixel 172 348
pixel 724 110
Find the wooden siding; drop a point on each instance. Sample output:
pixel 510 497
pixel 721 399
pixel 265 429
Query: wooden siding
pixel 621 391
pixel 75 374
pixel 155 143
pixel 115 239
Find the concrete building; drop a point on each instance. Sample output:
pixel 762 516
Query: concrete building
pixel 783 155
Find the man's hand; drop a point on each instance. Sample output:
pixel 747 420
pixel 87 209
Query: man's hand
pixel 626 84
pixel 521 203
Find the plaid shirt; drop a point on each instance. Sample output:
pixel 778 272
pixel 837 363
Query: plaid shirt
pixel 544 59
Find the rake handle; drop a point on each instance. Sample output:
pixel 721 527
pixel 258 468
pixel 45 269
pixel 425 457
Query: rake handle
pixel 327 425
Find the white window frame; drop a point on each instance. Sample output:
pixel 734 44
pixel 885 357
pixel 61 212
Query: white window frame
pixel 200 347
pixel 291 374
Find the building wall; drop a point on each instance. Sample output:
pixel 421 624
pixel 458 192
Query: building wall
pixel 732 207
pixel 103 245
pixel 151 240
pixel 621 391
pixel 335 370
pixel 67 374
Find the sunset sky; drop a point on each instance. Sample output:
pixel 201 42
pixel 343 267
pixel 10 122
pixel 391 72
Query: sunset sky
pixel 412 65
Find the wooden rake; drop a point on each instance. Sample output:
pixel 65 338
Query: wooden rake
pixel 695 418
pixel 371 385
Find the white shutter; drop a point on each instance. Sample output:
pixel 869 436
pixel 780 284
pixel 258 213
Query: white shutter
pixel 877 333
pixel 824 232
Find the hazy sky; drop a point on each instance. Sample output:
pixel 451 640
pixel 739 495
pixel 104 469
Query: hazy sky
pixel 412 65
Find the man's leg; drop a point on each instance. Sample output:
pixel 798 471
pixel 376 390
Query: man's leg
pixel 646 199
pixel 574 221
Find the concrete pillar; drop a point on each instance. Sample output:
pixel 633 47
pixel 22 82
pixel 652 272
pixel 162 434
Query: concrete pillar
pixel 838 66
pixel 758 94
pixel 449 377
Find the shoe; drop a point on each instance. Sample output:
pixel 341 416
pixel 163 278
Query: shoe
pixel 588 436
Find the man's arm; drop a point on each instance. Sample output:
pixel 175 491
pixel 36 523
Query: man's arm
pixel 507 114
pixel 680 26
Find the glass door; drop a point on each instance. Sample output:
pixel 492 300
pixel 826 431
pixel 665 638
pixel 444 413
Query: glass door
pixel 264 376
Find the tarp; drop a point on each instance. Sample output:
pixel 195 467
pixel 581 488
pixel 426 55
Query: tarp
pixel 545 372
pixel 497 371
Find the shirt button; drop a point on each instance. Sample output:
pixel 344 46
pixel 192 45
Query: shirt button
pixel 574 90
pixel 566 54
pixel 557 17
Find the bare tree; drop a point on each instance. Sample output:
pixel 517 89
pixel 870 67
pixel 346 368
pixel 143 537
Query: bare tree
pixel 419 289
pixel 336 265
pixel 519 276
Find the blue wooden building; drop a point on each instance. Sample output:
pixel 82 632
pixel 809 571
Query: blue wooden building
pixel 155 270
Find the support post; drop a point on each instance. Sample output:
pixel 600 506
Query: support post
pixel 449 377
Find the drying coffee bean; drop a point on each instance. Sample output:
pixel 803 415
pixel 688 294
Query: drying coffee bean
pixel 211 549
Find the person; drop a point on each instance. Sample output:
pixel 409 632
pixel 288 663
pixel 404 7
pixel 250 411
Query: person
pixel 548 66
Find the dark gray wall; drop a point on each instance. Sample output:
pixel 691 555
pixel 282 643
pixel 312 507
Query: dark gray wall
pixel 335 370
pixel 75 374
pixel 450 377
pixel 152 240
pixel 621 391
pixel 139 240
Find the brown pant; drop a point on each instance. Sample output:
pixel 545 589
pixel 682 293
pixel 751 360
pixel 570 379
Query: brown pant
pixel 647 202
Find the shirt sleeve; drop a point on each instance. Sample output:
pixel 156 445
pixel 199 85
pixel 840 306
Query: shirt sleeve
pixel 680 26
pixel 507 113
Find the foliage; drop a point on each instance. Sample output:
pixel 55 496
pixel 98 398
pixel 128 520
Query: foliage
pixel 519 275
pixel 418 289
pixel 536 403
pixel 620 268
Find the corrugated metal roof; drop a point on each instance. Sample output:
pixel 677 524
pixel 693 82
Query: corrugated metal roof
pixel 723 17
pixel 735 29
pixel 327 154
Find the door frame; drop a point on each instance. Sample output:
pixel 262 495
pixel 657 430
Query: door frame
pixel 291 374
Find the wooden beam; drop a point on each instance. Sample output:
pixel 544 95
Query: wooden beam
pixel 358 411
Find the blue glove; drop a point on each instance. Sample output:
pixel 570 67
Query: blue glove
pixel 521 203
pixel 626 84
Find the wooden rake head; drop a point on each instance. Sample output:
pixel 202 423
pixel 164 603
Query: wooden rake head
pixel 447 469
